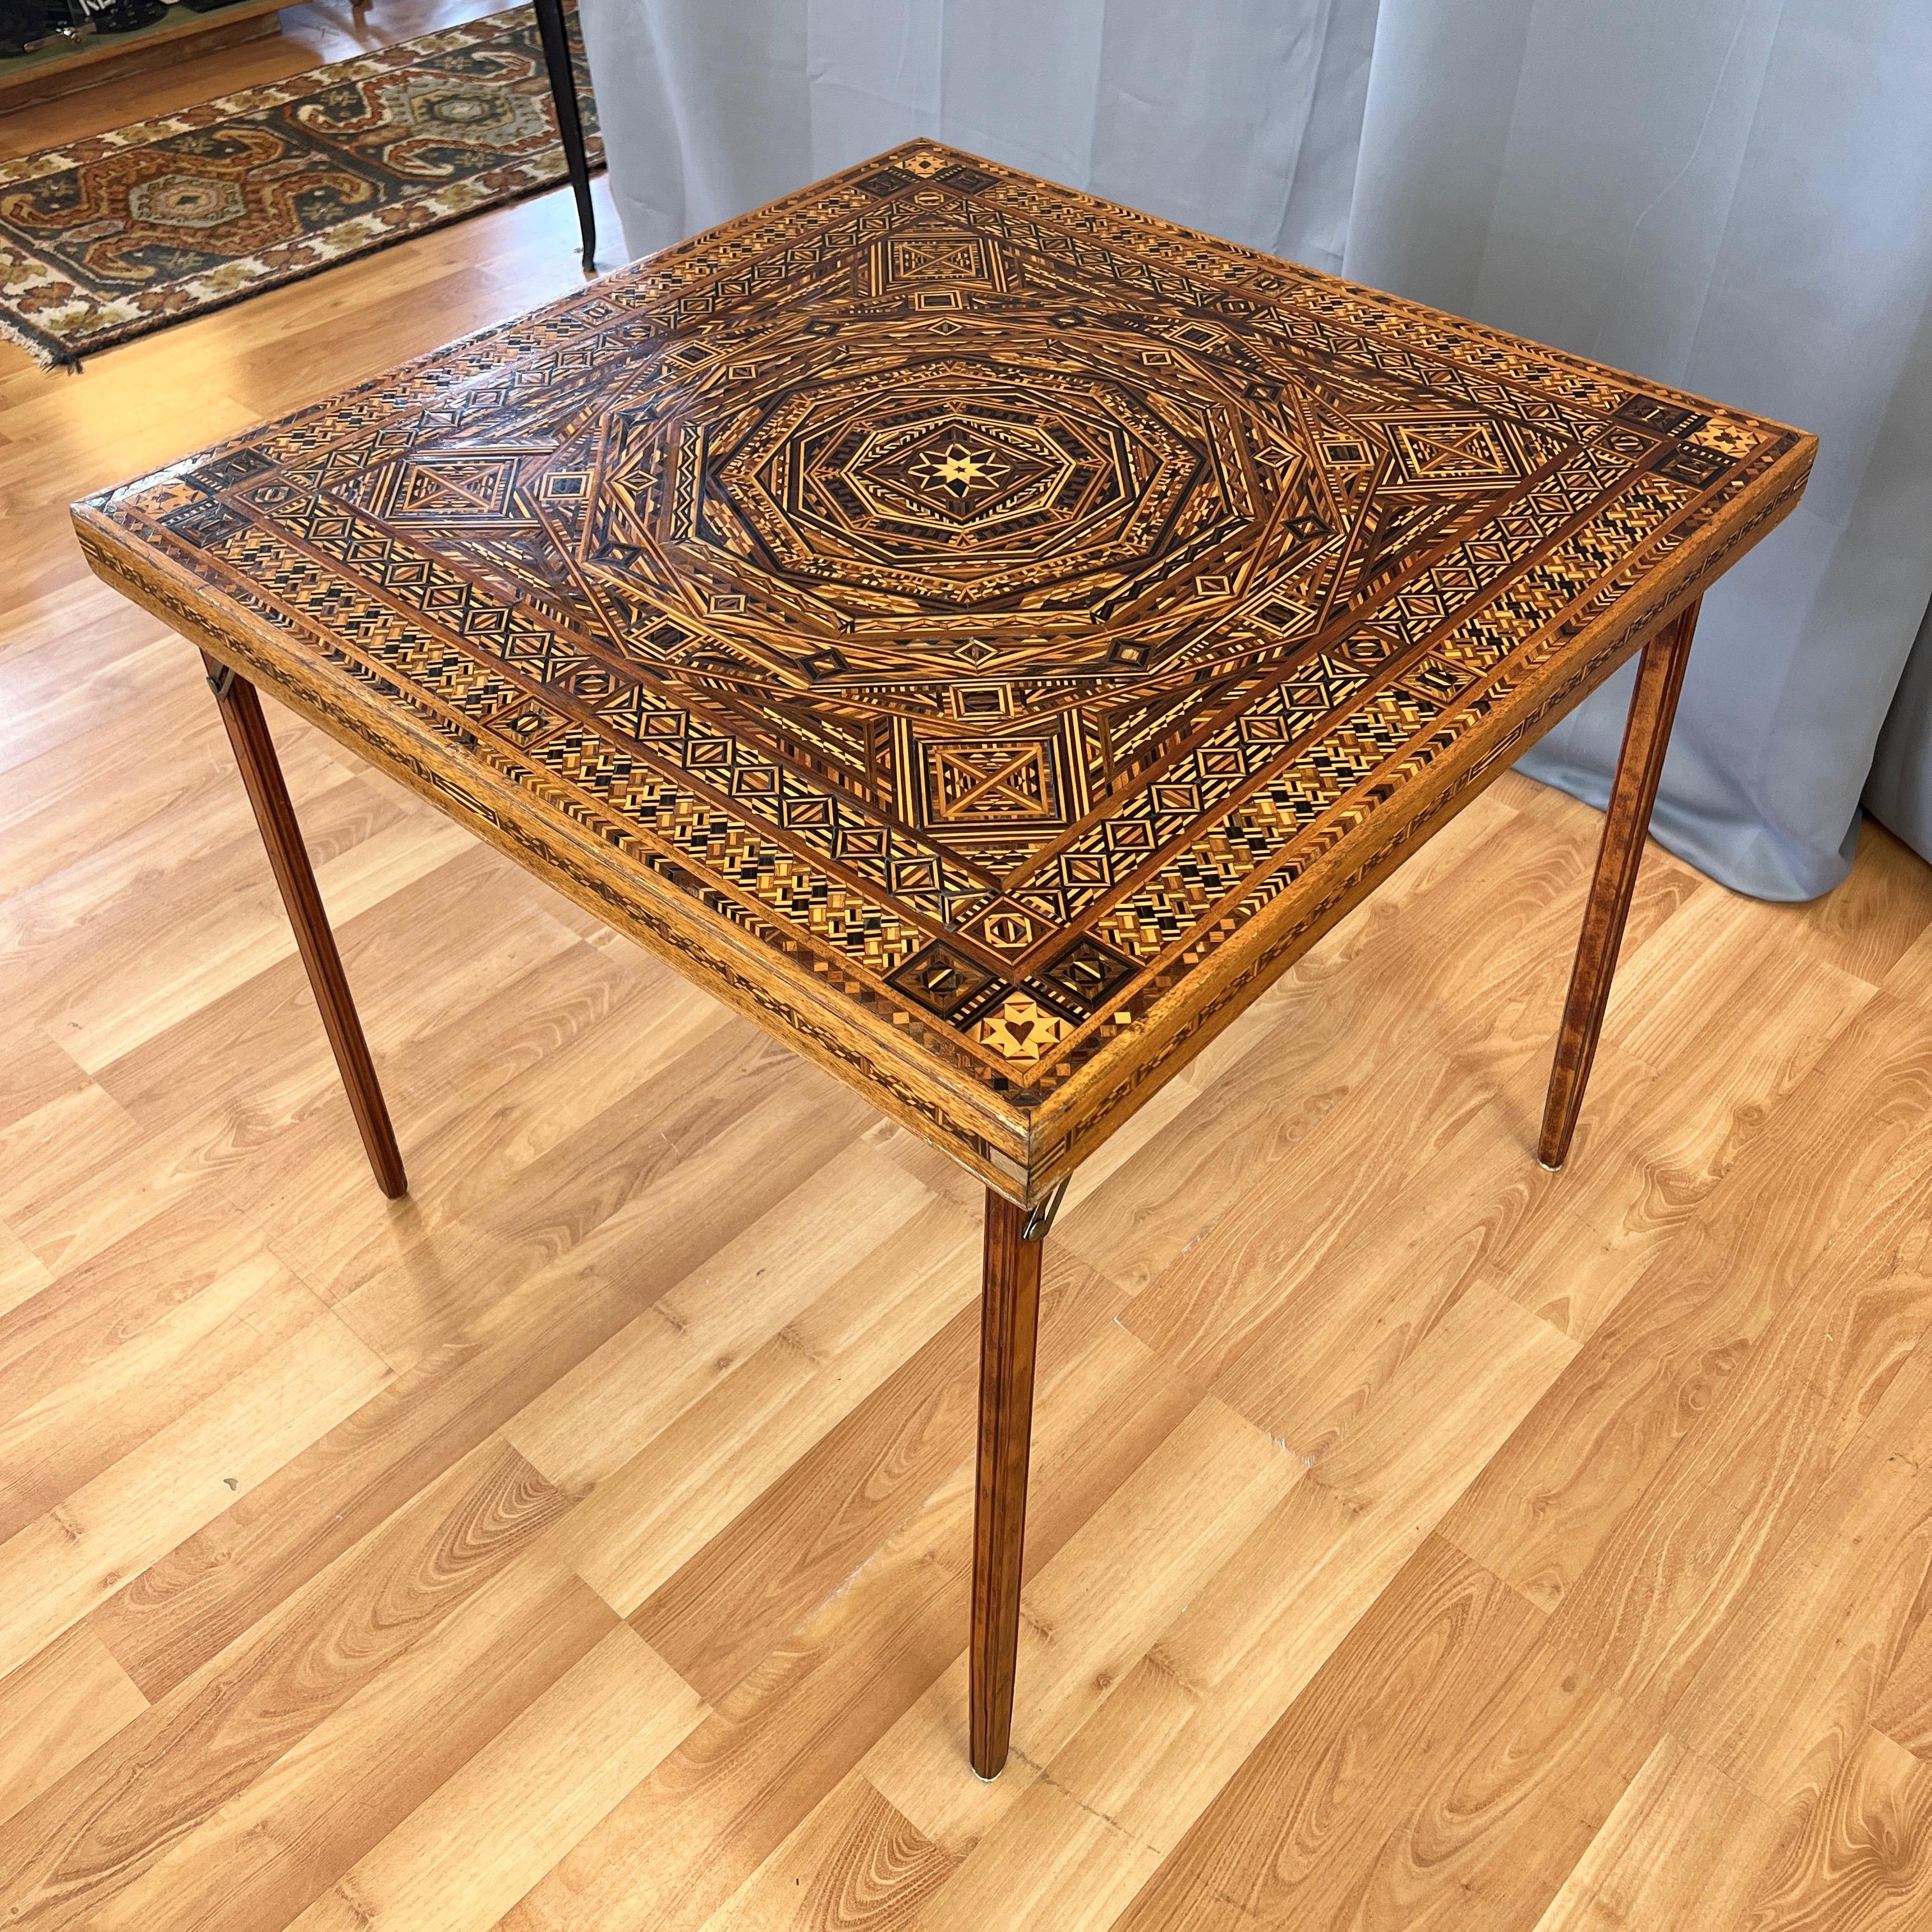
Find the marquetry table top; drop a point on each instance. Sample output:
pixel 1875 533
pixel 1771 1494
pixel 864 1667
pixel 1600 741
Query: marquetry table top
pixel 982 633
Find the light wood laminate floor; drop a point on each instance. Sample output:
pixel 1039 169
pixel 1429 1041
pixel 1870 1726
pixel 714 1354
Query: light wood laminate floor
pixel 1418 1539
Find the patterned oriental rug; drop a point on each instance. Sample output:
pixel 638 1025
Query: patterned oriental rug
pixel 125 232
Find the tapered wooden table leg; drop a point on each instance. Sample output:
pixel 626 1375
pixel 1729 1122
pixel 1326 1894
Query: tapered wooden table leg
pixel 262 774
pixel 1660 677
pixel 1009 1324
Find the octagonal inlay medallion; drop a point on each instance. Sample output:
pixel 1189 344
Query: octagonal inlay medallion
pixel 966 484
pixel 946 520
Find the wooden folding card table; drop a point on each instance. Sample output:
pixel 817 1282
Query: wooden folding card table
pixel 982 634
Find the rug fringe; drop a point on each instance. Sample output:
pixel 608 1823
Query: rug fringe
pixel 48 355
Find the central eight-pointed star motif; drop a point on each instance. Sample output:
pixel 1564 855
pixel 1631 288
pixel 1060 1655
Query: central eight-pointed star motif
pixel 958 469
pixel 943 478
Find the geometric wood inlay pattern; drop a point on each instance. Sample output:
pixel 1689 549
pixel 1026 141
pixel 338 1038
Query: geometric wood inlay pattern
pixel 984 631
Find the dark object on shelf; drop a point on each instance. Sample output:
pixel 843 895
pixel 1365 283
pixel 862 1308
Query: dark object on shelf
pixel 207 6
pixel 125 16
pixel 569 120
pixel 25 25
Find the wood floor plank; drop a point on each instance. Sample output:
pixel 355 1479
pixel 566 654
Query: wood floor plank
pixel 186 762
pixel 1910 978
pixel 1116 1383
pixel 306 1817
pixel 161 1776
pixel 1437 1065
pixel 21 1274
pixel 1054 1862
pixel 1767 1690
pixel 1090 1614
pixel 77 1175
pixel 1863 1862
pixel 1545 1511
pixel 682 1493
pixel 55 1708
pixel 472 1849
pixel 1523 1759
pixel 652 1164
pixel 60 685
pixel 1902 1708
pixel 57 1445
pixel 210 1588
pixel 1690 1006
pixel 464 1384
pixel 1662 1599
pixel 777 1560
pixel 45 829
pixel 1681 1853
pixel 1343 1328
pixel 675 1851
pixel 684 1488
pixel 587 1424
pixel 615 1159
pixel 67 1327
pixel 380 854
pixel 1831 1352
pixel 1500 1815
pixel 1266 1086
pixel 1287 1838
pixel 77 1554
pixel 408 1278
pixel 1871 922
pixel 1176 1730
pixel 37 1071
pixel 262 1041
pixel 854 1863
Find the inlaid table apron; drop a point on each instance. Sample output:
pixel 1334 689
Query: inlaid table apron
pixel 982 634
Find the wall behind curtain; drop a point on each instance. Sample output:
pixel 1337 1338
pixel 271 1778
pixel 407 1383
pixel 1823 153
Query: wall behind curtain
pixel 1734 197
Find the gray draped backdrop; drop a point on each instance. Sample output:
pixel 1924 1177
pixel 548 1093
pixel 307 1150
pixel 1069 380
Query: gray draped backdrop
pixel 1734 197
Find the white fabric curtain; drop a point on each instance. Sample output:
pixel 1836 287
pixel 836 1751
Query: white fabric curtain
pixel 1734 197
pixel 1243 117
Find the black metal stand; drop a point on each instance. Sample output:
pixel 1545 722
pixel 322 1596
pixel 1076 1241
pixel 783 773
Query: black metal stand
pixel 569 120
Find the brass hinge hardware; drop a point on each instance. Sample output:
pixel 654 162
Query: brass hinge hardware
pixel 1039 1218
